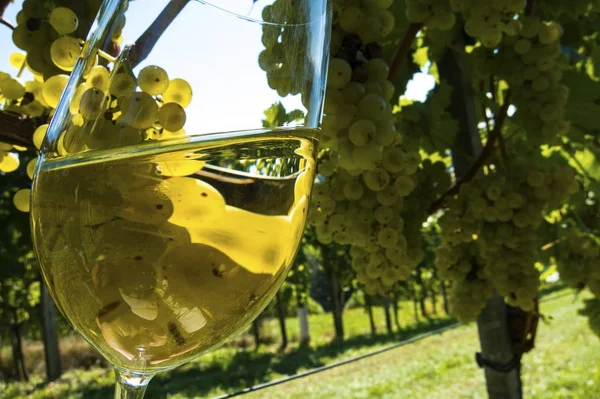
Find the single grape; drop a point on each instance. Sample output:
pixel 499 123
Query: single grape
pixel 387 237
pixel 172 116
pixel 93 103
pixel 353 190
pixel 9 163
pixel 376 179
pixel 361 131
pixel 179 91
pixel 17 59
pixel 31 167
pixel 64 52
pixel 384 214
pixel 139 110
pixel 63 20
pixel 38 135
pixel 98 78
pixel 21 199
pixel 153 80
pixel 374 107
pixel 404 185
pixel 53 89
pixel 351 19
pixel 339 74
pixel 121 85
pixel 12 88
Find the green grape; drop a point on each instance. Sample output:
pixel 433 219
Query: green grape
pixel 351 19
pixel 404 185
pixel 361 131
pixel 549 32
pixel 17 59
pixel 540 83
pixel 378 69
pixel 179 91
pixel 153 80
pixel 353 190
pixel 376 179
pixel 353 92
pixel 21 37
pixel 64 52
pixel 386 132
pixel 416 12
pixel 139 110
pixel 513 27
pixel 491 38
pixel 368 156
pixel 388 22
pixel 12 88
pixel 122 85
pixel 412 159
pixel 373 87
pixel 39 134
pixel 384 214
pixel 98 78
pixel 388 196
pixel 339 74
pixel 172 117
pixel 393 159
pixel 63 20
pixel 93 103
pixel 387 89
pixel 326 168
pixel 10 163
pixel 374 107
pixel 75 102
pixel 387 237
pixel 522 46
pixel 21 199
pixel 53 88
pixel 31 167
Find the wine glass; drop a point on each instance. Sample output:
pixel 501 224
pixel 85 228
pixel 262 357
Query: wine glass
pixel 167 205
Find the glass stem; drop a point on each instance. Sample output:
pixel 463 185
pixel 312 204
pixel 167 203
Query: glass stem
pixel 131 385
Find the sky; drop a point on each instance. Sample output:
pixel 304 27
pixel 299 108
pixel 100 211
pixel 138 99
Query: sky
pixel 216 52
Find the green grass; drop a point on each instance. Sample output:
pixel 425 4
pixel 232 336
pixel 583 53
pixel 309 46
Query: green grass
pixel 565 364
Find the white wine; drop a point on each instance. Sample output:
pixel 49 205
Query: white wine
pixel 166 250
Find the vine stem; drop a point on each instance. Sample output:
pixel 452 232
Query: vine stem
pixel 7 24
pixel 481 159
pixel 145 43
pixel 403 48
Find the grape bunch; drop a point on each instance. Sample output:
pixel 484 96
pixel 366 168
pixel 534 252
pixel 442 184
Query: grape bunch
pixel 435 14
pixel 125 109
pixel 50 32
pixel 366 173
pixel 489 233
pixel 592 312
pixel 285 21
pixel 530 63
pixel 489 21
pixel 577 259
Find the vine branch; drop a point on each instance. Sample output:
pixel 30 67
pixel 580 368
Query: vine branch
pixel 7 24
pixel 145 43
pixel 530 7
pixel 403 48
pixel 481 159
pixel 18 129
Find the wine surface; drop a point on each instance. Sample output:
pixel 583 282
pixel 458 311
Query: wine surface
pixel 159 254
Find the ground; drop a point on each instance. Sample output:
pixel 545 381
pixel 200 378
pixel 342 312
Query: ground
pixel 564 364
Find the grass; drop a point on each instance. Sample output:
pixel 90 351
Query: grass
pixel 565 364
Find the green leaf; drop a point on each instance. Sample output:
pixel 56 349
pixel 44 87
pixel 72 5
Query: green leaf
pixel 583 107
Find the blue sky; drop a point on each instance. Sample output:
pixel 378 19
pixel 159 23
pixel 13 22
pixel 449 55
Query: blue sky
pixel 214 51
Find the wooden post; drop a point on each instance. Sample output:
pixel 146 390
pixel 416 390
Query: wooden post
pixel 50 336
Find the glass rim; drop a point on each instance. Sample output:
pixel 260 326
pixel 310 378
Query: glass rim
pixel 246 18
